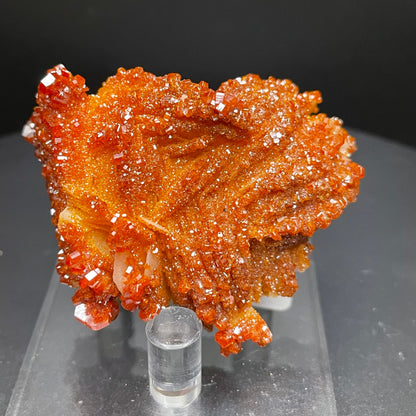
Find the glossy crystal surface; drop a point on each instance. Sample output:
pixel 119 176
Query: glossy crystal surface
pixel 166 190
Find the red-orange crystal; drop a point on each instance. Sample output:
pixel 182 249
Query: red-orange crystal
pixel 165 190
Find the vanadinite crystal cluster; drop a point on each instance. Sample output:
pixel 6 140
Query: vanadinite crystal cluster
pixel 164 190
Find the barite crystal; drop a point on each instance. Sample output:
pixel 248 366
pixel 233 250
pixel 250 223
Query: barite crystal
pixel 165 190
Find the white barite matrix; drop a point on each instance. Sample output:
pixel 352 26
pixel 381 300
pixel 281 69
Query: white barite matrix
pixel 174 356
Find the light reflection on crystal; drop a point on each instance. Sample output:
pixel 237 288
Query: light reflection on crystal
pixel 169 187
pixel 28 130
pixel 82 315
pixel 48 80
pixel 92 274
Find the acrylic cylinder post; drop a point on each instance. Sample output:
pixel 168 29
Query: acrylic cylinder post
pixel 174 356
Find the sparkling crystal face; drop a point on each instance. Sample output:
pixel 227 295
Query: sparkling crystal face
pixel 165 190
pixel 48 80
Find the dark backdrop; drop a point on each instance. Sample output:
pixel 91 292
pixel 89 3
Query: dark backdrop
pixel 360 54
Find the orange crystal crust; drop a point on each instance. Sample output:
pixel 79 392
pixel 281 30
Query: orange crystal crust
pixel 165 190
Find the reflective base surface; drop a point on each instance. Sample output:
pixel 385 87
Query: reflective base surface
pixel 71 370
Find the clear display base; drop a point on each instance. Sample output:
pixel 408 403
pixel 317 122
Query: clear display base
pixel 177 398
pixel 70 370
pixel 174 356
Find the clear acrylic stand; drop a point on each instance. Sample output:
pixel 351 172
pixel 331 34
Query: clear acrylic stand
pixel 71 370
pixel 174 356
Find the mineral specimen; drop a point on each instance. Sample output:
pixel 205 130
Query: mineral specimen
pixel 164 190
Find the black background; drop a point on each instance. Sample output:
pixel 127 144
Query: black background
pixel 359 54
